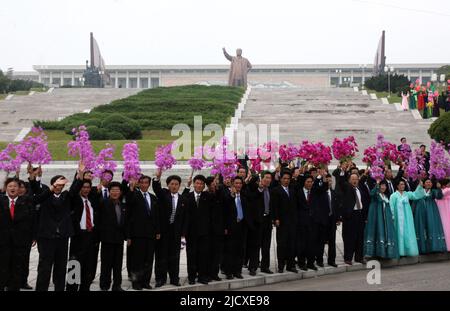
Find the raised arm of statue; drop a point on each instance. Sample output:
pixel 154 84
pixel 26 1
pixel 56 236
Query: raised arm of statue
pixel 227 56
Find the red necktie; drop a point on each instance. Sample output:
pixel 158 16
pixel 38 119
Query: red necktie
pixel 88 216
pixel 11 209
pixel 308 197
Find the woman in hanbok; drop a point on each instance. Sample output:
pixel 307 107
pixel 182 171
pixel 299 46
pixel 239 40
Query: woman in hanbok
pixel 413 100
pixel 403 218
pixel 444 211
pixel 420 101
pixel 430 235
pixel 380 236
pixel 405 101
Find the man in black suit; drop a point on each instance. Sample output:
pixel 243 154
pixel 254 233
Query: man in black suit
pixel 309 197
pixel 199 206
pixel 17 221
pixel 259 205
pixel 217 238
pixel 327 217
pixel 284 210
pixel 53 233
pixel 354 211
pixel 173 220
pixel 111 227
pixel 143 230
pixel 84 208
pixel 389 178
pixel 237 222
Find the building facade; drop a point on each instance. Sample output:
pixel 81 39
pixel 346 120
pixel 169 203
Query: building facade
pixel 148 76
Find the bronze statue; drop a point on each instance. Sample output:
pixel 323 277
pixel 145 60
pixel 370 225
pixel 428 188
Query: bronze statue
pixel 239 68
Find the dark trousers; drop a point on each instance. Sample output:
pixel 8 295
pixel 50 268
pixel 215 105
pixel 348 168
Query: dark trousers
pixel 286 242
pixel 167 258
pixel 353 236
pixel 327 235
pixel 83 249
pixel 235 249
pixel 26 265
pixel 253 246
pixel 306 243
pixel 216 251
pixel 111 256
pixel 52 254
pixel 142 252
pixel 197 250
pixel 266 240
pixel 12 260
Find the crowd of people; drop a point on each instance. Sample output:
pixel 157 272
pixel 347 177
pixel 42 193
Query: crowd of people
pixel 225 223
pixel 426 99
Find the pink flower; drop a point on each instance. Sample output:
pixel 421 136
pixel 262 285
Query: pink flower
pixel 439 162
pixel 10 160
pixel 81 147
pixel 224 161
pixel 105 161
pixel 131 166
pixel 34 148
pixel 197 162
pixel 288 153
pixel 317 154
pixel 344 149
pixel 164 159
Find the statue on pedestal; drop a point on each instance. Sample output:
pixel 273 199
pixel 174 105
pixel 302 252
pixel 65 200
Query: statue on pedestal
pixel 239 68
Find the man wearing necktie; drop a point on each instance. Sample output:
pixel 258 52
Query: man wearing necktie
pixel 111 224
pixel 143 230
pixel 284 205
pixel 173 218
pixel 354 210
pixel 237 224
pixel 199 206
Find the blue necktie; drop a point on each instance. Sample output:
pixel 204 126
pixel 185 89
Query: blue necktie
pixel 105 194
pixel 240 214
pixel 146 203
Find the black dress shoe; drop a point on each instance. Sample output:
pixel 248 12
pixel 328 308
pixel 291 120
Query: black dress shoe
pixel 147 286
pixel 303 268
pixel 117 289
pixel 293 270
pixel 320 264
pixel 216 278
pixel 238 276
pixel 348 262
pixel 203 281
pixel 252 272
pixel 268 271
pixel 312 267
pixel 104 289
pixel 26 286
pixel 159 284
pixel 280 270
pixel 332 264
pixel 229 277
pixel 136 287
pixel 175 283
pixel 191 282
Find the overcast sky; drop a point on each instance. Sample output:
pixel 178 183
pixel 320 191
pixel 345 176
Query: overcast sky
pixel 143 32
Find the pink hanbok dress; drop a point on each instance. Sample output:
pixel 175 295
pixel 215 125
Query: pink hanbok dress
pixel 444 212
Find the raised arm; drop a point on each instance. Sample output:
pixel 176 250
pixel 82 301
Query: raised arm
pixel 227 56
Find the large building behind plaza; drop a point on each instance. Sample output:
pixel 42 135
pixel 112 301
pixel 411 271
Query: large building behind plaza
pixel 151 76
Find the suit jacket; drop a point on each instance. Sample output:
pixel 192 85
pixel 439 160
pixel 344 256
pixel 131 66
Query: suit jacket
pixel 388 190
pixel 199 218
pixel 283 207
pixel 141 223
pixel 218 212
pixel 231 214
pixel 110 230
pixel 77 206
pixel 20 231
pixel 165 210
pixel 318 208
pixel 256 200
pixel 348 200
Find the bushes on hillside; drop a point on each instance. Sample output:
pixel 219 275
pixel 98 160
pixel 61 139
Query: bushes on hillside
pixel 380 83
pixel 440 129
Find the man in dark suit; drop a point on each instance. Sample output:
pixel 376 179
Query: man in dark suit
pixel 173 220
pixel 17 221
pixel 217 237
pixel 143 230
pixel 389 178
pixel 327 217
pixel 237 223
pixel 199 206
pixel 84 215
pixel 111 227
pixel 354 213
pixel 284 209
pixel 53 233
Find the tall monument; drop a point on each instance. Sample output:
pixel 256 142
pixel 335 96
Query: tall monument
pixel 95 74
pixel 239 68
pixel 380 56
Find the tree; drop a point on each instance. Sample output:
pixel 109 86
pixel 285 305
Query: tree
pixel 399 83
pixel 4 83
pixel 444 70
pixel 440 129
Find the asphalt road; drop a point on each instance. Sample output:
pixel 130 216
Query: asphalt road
pixel 424 277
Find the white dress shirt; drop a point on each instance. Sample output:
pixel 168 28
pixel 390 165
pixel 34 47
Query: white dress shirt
pixel 83 216
pixel 147 197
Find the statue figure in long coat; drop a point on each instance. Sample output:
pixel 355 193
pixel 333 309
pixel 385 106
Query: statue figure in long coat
pixel 239 68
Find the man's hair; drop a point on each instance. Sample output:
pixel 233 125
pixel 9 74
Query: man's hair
pixel 173 177
pixel 401 139
pixel 87 181
pixel 209 180
pixel 264 173
pixel 284 172
pixel 200 177
pixel 115 184
pixel 238 178
pixel 108 172
pixel 55 178
pixel 145 177
pixel 12 179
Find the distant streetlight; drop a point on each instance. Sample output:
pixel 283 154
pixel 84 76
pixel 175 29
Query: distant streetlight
pixel 339 71
pixel 388 70
pixel 363 77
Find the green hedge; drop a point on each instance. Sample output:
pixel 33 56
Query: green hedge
pixel 154 109
pixel 440 129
